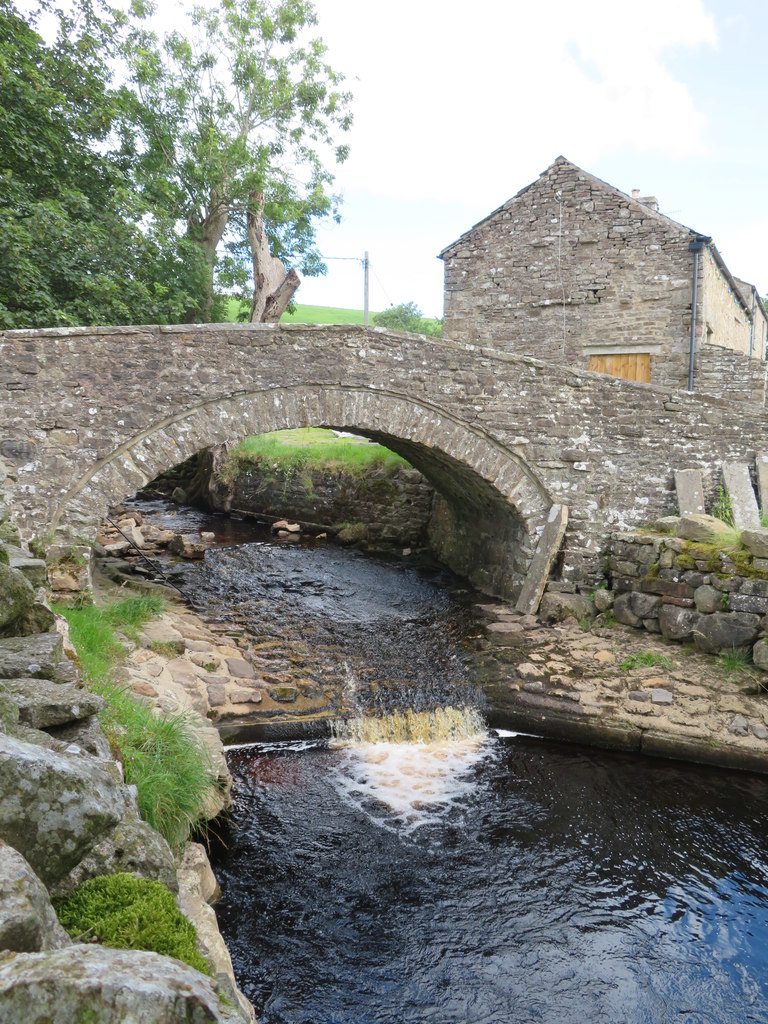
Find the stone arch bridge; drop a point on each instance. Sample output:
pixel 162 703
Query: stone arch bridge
pixel 88 415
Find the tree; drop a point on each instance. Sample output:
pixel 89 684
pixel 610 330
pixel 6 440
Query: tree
pixel 71 249
pixel 236 125
pixel 408 317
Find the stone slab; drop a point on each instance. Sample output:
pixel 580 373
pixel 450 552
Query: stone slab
pixel 546 551
pixel 738 483
pixel 690 492
pixel 761 465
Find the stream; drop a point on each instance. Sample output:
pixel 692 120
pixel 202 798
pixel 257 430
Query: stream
pixel 470 877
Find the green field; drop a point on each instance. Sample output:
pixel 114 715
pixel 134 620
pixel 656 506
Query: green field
pixel 309 314
pixel 324 315
pixel 311 448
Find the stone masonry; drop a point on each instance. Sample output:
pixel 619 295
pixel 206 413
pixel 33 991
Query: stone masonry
pixel 90 415
pixel 571 267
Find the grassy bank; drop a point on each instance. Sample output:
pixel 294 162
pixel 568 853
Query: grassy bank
pixel 310 448
pixel 162 755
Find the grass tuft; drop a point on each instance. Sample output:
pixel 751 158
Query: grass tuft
pixel 735 662
pixel 94 630
pixel 645 659
pixel 164 757
pixel 125 912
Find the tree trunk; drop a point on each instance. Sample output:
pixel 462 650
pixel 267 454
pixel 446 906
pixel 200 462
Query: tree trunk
pixel 273 288
pixel 208 235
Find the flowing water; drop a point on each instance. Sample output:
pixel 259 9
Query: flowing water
pixel 460 876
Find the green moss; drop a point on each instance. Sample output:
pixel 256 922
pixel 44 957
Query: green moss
pixel 653 571
pixel 126 912
pixel 685 561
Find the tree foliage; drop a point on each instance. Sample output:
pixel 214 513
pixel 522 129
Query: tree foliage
pixel 408 317
pixel 71 248
pixel 118 204
pixel 238 118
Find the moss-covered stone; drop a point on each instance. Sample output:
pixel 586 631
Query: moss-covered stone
pixel 685 561
pixel 125 912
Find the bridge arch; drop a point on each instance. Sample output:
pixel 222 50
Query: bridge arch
pixel 491 506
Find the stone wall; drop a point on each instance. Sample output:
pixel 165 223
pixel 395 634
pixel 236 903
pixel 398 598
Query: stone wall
pixel 691 592
pixel 571 265
pixel 393 502
pixel 718 370
pixel 501 437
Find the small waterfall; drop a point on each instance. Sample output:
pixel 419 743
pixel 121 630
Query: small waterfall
pixel 440 725
pixel 405 769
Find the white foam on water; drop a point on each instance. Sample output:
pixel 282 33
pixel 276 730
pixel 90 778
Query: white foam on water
pixel 406 785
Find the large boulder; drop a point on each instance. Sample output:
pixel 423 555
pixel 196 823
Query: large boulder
pixel 727 631
pixel 55 806
pixel 132 846
pixel 556 607
pixel 622 610
pixel 28 922
pixel 87 734
pixel 40 656
pixel 756 542
pixel 107 986
pixel 43 704
pixel 32 568
pixel 646 606
pixel 39 618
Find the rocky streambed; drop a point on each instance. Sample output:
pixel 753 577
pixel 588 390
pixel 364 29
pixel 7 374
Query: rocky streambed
pixel 266 672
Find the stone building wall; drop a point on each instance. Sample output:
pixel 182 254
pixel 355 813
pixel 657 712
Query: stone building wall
pixel 739 378
pixel 722 319
pixel 571 268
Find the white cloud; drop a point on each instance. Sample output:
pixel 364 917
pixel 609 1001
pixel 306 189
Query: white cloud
pixel 451 97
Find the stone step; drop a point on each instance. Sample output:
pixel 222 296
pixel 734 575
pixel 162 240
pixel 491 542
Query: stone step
pixel 690 492
pixel 738 484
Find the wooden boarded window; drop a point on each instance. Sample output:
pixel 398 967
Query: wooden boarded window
pixel 627 365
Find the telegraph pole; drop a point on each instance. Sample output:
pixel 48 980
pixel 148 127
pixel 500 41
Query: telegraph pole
pixel 365 288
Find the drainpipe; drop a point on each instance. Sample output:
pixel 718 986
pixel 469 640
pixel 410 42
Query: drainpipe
pixel 752 325
pixel 695 247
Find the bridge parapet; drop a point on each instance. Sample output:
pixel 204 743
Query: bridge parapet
pixel 92 414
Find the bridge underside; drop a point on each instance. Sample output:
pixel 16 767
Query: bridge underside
pixel 490 508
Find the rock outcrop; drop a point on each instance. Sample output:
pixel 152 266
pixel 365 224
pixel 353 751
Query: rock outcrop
pixel 107 986
pixel 66 815
pixel 28 922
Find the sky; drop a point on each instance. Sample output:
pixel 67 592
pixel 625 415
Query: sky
pixel 459 106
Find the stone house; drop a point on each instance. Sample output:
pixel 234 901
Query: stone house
pixel 571 269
